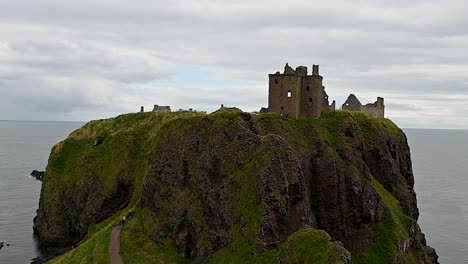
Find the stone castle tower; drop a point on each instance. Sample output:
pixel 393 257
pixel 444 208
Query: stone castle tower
pixel 295 94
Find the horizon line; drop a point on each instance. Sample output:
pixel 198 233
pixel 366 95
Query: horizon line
pixel 68 121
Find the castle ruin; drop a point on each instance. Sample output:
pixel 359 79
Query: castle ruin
pixel 296 94
pixel 376 110
pixel 161 109
pixel 157 109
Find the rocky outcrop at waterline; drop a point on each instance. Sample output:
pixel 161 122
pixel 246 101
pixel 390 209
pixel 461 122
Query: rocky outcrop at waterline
pixel 3 244
pixel 38 175
pixel 234 186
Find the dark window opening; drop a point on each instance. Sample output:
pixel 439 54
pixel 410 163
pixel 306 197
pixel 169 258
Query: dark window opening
pixel 282 108
pixel 308 88
pixel 289 94
pixel 310 100
pixel 276 81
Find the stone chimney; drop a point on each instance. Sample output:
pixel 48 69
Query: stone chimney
pixel 315 70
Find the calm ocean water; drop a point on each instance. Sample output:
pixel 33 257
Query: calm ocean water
pixel 24 146
pixel 440 166
pixel 440 163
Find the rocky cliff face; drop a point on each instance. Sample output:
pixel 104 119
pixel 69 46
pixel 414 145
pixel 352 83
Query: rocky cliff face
pixel 232 186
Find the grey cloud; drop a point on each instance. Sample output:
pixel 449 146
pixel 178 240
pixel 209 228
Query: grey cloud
pixel 74 58
pixel 88 59
pixel 402 107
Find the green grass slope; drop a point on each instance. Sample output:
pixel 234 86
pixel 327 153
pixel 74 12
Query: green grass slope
pixel 128 141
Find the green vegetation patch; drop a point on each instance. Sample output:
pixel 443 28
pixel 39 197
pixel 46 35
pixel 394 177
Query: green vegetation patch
pixel 313 246
pixel 304 246
pixel 329 128
pixel 137 247
pixel 393 231
pixel 93 250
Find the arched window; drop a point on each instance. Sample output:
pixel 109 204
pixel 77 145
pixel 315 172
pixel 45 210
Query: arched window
pixel 289 94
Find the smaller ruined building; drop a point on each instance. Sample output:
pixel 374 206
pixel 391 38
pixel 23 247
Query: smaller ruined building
pixel 295 93
pixel 376 110
pixel 161 109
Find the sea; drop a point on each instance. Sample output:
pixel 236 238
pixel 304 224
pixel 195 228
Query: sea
pixel 440 165
pixel 24 147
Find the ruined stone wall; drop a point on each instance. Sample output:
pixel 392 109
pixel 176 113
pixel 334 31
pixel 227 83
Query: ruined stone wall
pixel 376 110
pixel 372 111
pixel 312 96
pixel 284 94
pixel 329 108
pixel 161 109
pixel 326 106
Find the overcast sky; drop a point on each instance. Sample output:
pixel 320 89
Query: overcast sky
pixel 83 60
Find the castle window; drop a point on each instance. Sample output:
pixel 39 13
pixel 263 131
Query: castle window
pixel 308 88
pixel 310 100
pixel 289 94
pixel 282 108
pixel 276 81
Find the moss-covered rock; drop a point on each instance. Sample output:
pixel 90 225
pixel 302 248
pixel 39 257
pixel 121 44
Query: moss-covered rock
pixel 314 246
pixel 231 187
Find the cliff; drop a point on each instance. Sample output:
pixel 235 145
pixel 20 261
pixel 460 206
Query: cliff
pixel 232 187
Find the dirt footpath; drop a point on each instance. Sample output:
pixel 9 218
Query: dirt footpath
pixel 114 246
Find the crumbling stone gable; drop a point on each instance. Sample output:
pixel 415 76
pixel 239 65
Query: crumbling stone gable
pixel 352 104
pixel 288 69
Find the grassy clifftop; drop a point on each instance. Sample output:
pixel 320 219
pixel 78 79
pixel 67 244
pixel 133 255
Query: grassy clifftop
pixel 232 187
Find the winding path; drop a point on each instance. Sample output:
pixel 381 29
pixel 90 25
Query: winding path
pixel 114 246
